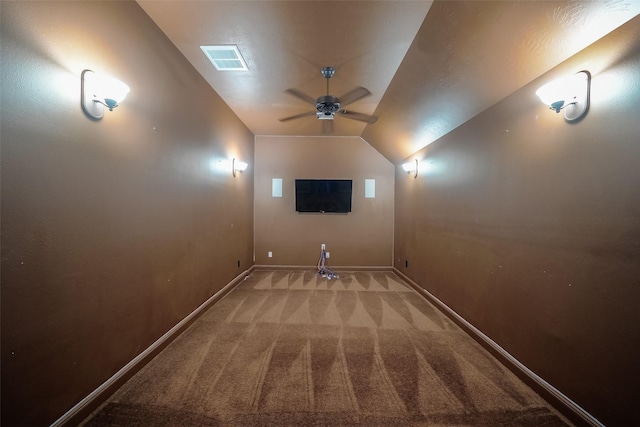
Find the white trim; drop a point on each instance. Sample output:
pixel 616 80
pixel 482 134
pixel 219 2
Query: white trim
pixel 132 365
pixel 561 397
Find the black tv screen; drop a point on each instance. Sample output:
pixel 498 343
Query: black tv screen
pixel 323 195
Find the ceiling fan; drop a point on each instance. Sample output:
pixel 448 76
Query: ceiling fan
pixel 328 106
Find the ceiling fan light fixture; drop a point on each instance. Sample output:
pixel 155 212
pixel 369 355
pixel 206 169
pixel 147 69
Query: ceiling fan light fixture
pixel 325 116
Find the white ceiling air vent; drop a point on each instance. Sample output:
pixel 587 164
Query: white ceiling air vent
pixel 225 57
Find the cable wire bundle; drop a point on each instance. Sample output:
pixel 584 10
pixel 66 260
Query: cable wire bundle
pixel 322 269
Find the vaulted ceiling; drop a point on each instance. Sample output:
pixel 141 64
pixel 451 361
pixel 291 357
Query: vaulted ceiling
pixel 430 66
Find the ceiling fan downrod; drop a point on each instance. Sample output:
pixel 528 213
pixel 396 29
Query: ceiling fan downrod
pixel 327 73
pixel 328 105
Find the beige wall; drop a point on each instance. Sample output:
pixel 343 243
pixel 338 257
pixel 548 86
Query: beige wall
pixel 363 237
pixel 114 230
pixel 528 227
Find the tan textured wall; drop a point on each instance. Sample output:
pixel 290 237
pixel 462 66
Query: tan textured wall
pixel 363 237
pixel 528 227
pixel 112 231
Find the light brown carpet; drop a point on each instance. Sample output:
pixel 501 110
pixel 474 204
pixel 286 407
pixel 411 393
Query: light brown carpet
pixel 289 348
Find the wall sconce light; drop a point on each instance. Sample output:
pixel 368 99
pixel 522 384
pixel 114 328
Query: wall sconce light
pixel 411 167
pixel 238 166
pixel 569 94
pixel 99 92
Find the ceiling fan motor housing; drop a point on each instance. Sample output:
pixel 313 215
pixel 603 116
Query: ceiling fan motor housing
pixel 328 104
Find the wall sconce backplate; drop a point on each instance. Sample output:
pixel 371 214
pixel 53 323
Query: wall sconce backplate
pixel 93 109
pixel 580 104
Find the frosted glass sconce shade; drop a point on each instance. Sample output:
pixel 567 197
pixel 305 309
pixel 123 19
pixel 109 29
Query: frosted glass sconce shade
pixel 238 166
pixel 99 92
pixel 411 167
pixel 570 94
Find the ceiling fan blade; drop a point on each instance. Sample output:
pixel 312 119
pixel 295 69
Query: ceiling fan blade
pixel 327 126
pixel 353 96
pixel 297 116
pixel 303 96
pixel 358 116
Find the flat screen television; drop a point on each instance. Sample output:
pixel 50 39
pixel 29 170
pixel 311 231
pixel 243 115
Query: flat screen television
pixel 323 195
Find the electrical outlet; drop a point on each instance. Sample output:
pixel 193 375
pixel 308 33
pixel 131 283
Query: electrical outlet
pixel 270 254
pixel 328 255
pixel 323 246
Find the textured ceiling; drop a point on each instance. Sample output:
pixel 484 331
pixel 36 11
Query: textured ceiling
pixel 429 67
pixel 467 56
pixel 286 44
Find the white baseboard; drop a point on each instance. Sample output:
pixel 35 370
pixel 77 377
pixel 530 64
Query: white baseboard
pixel 331 267
pixel 569 404
pixel 137 363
